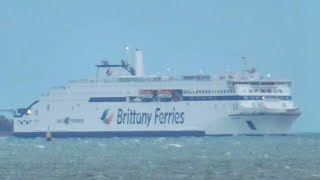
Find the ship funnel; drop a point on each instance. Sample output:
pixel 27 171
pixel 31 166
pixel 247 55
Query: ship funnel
pixel 139 63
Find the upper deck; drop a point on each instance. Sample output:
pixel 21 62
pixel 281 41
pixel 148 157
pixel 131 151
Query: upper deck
pixel 123 81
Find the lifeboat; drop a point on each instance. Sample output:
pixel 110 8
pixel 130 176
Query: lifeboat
pixel 146 94
pixel 165 94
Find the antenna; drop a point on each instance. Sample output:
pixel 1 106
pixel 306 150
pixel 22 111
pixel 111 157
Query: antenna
pixel 201 72
pixel 246 66
pixel 168 70
pixel 127 51
pixel 244 61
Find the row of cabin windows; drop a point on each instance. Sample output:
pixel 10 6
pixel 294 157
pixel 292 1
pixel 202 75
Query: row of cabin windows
pixel 267 97
pixel 122 86
pixel 48 108
pixel 65 100
pixel 103 87
pixel 234 107
pixel 91 93
pixel 227 91
pixel 262 83
pixel 266 91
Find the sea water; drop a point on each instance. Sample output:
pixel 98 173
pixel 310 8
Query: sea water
pixel 236 157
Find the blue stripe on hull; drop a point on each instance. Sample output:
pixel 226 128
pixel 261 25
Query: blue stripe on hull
pixel 107 99
pixel 193 98
pixel 112 134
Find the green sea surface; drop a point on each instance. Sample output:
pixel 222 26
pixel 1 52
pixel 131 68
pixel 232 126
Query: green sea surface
pixel 235 157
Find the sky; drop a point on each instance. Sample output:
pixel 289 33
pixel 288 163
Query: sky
pixel 48 43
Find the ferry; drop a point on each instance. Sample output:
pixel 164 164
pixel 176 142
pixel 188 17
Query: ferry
pixel 121 101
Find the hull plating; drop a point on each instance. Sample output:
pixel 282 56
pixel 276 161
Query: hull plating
pixel 151 119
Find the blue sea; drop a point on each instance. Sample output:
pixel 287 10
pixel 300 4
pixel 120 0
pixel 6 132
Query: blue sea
pixel 235 157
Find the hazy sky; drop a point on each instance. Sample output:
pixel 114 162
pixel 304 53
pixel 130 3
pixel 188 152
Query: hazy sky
pixel 48 43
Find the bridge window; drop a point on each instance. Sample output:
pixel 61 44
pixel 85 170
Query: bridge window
pixel 234 83
pixel 269 91
pixel 283 83
pixel 267 83
pixel 263 91
pixel 255 83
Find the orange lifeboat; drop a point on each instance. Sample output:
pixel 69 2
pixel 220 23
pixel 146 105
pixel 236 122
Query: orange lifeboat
pixel 165 94
pixel 146 94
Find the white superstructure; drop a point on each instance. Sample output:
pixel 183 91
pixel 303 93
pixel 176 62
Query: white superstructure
pixel 121 101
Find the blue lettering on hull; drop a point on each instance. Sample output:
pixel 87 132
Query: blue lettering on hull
pixel 133 117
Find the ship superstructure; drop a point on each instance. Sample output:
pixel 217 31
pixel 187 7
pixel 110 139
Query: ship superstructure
pixel 122 101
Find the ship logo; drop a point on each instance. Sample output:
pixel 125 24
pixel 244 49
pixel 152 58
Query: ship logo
pixel 105 118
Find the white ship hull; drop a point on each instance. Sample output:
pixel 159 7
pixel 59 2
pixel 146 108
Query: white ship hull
pixel 155 119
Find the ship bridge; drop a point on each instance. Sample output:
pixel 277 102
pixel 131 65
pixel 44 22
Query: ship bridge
pixel 260 83
pixel 272 89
